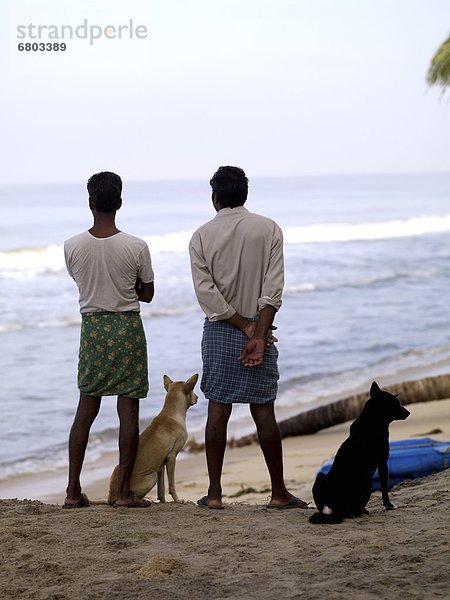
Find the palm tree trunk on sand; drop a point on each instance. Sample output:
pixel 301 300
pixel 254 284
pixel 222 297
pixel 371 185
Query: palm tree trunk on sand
pixel 311 421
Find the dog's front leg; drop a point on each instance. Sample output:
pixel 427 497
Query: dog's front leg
pixel 171 477
pixel 384 474
pixel 161 485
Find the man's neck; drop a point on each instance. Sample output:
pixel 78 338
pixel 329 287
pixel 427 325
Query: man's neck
pixel 104 225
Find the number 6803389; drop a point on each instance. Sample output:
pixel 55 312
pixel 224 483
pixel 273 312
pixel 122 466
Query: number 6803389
pixel 42 47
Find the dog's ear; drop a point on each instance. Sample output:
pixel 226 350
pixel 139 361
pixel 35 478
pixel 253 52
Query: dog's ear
pixel 374 389
pixel 167 382
pixel 190 383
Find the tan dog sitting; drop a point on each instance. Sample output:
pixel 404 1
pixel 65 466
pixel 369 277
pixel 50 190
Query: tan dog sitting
pixel 160 443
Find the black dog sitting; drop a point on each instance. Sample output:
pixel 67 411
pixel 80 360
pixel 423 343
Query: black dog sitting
pixel 345 490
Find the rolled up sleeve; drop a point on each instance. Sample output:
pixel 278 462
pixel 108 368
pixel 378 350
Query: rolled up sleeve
pixel 209 297
pixel 273 283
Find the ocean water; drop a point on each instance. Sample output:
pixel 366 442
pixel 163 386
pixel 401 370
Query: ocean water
pixel 366 297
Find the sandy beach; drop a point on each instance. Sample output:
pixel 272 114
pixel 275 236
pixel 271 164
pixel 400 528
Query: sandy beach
pixel 245 551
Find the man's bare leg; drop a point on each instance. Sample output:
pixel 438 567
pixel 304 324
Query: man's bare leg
pixel 270 441
pixel 88 407
pixel 128 411
pixel 215 443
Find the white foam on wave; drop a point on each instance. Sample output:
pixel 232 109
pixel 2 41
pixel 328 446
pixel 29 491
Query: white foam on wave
pixel 24 263
pixel 299 288
pixel 39 324
pixel 347 232
pixel 169 311
pixel 360 281
pixel 169 242
pixel 54 458
pixel 30 262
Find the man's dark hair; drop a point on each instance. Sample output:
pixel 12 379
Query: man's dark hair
pixel 230 185
pixel 105 191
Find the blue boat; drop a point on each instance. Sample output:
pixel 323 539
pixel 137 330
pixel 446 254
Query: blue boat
pixel 409 459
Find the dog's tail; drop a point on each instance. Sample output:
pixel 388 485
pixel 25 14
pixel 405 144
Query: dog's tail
pixel 320 518
pixel 113 486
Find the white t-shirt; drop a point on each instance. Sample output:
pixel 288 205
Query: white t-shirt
pixel 106 269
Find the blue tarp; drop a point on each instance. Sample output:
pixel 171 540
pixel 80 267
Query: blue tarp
pixel 409 459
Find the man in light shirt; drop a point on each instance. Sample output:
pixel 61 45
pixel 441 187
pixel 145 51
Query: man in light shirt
pixel 238 275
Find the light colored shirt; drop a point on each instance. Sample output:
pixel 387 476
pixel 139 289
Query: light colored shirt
pixel 106 269
pixel 237 264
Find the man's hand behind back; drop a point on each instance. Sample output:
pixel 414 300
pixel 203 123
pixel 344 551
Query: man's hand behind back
pixel 253 352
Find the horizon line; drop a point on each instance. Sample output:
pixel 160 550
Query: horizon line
pixel 257 176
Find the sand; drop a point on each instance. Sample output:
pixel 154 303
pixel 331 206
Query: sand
pixel 245 551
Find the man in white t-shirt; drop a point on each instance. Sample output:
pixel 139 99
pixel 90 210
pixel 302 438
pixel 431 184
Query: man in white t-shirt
pixel 113 272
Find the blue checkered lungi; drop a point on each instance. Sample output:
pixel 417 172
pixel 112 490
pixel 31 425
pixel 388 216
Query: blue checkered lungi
pixel 225 379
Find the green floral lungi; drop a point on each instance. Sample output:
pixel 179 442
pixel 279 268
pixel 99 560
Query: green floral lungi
pixel 113 355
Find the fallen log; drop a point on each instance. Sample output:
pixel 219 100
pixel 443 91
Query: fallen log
pixel 347 409
pixel 420 390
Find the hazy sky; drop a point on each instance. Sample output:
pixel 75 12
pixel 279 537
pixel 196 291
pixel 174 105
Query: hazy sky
pixel 279 87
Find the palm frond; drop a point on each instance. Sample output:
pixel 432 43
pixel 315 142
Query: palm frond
pixel 439 70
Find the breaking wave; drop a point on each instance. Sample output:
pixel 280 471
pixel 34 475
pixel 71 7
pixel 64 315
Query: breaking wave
pixel 29 262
